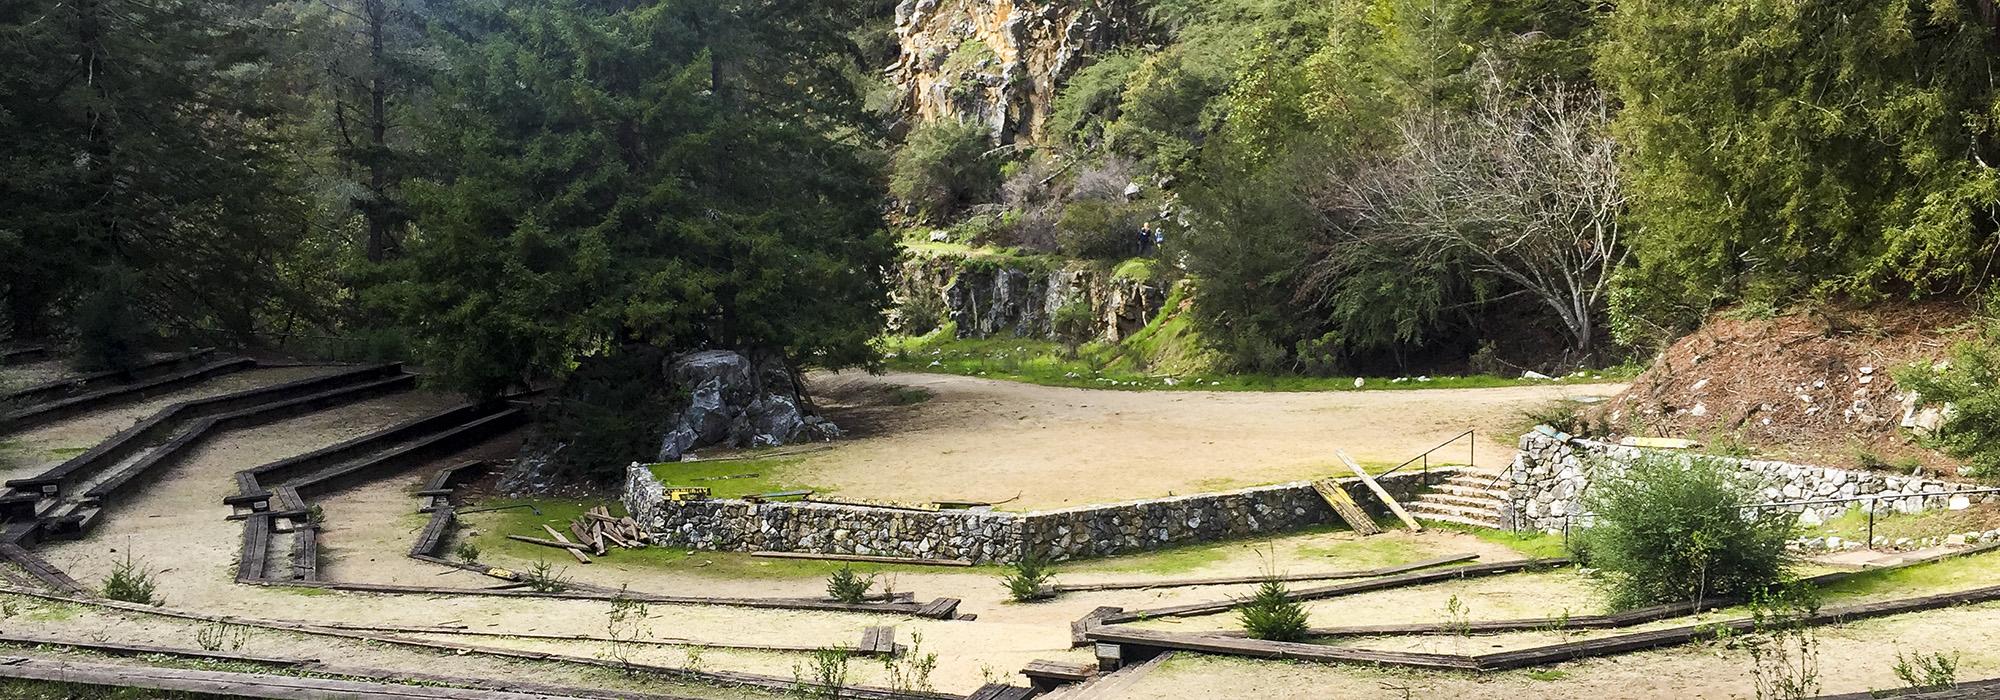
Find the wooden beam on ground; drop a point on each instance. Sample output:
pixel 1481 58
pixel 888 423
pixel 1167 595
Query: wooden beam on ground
pixel 1229 580
pixel 574 551
pixel 1380 492
pixel 29 639
pixel 233 684
pixel 751 680
pixel 889 650
pixel 862 558
pixel 1344 506
pixel 573 547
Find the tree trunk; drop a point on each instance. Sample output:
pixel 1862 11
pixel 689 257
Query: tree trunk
pixel 378 211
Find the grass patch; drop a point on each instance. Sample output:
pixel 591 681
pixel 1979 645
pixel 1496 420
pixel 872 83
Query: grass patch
pixel 733 478
pixel 1853 524
pixel 1534 545
pixel 1165 359
pixel 67 452
pixel 1137 270
pixel 1949 575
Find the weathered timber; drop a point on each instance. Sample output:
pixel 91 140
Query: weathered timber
pixel 60 408
pixel 1002 691
pixel 41 569
pixel 861 558
pixel 1417 578
pixel 938 609
pixel 432 538
pixel 1380 492
pixel 252 562
pixel 233 684
pixel 567 546
pixel 1229 580
pixel 305 553
pixel 643 641
pixel 574 550
pixel 72 386
pixel 1081 627
pixel 772 683
pixel 1132 638
pixel 30 639
pixel 1344 506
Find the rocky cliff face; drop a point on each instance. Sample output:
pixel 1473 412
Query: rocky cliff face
pixel 987 299
pixel 999 62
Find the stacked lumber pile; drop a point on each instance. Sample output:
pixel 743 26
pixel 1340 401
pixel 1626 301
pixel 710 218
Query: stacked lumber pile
pixel 596 532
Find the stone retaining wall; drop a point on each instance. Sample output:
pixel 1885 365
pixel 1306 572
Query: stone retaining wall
pixel 990 536
pixel 1549 477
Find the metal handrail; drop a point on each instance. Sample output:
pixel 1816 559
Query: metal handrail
pixel 1471 452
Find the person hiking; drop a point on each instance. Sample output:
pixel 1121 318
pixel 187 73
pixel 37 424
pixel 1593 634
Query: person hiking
pixel 1145 238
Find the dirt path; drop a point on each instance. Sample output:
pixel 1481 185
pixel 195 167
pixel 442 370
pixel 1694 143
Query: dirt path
pixel 978 439
pixel 36 450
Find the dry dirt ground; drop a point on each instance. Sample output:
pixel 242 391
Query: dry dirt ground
pixel 178 529
pixel 987 440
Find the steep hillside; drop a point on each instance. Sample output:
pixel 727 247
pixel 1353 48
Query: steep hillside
pixel 999 62
pixel 1812 386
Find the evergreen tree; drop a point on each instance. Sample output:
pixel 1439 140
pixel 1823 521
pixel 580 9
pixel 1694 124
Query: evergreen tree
pixel 680 173
pixel 1778 148
pixel 129 139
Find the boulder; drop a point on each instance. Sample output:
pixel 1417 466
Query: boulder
pixel 735 401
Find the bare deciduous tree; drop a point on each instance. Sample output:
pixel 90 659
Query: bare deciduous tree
pixel 1524 188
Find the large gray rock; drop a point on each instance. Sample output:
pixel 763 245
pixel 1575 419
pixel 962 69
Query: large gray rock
pixel 736 401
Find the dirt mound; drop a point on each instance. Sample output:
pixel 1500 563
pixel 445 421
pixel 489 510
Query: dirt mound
pixel 1811 387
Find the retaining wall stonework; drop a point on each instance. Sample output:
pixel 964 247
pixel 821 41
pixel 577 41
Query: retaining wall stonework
pixel 1549 477
pixel 991 536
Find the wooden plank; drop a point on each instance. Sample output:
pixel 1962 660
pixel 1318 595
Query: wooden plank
pixel 432 537
pixel 41 569
pixel 1344 506
pixel 1062 671
pixel 772 683
pixel 1380 492
pixel 644 641
pixel 1080 628
pixel 1261 649
pixel 576 551
pixel 861 558
pixel 940 609
pixel 30 639
pixel 1230 580
pixel 232 684
pixel 1001 691
pixel 305 553
pixel 252 562
pixel 570 546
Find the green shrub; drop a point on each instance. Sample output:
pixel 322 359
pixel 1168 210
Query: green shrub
pixel 942 168
pixel 110 332
pixel 848 587
pixel 1100 229
pixel 1927 673
pixel 1075 323
pixel 1029 579
pixel 131 583
pixel 1272 615
pixel 1673 528
pixel 467 551
pixel 1970 383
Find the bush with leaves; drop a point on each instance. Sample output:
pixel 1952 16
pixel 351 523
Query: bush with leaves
pixel 1970 384
pixel 1029 579
pixel 848 587
pixel 1272 615
pixel 944 167
pixel 1074 323
pixel 1100 229
pixel 1674 528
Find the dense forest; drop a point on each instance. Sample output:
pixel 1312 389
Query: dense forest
pixel 508 191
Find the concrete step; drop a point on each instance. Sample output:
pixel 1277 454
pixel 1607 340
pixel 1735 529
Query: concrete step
pixel 1477 481
pixel 1459 520
pixel 1487 503
pixel 1471 491
pixel 1452 509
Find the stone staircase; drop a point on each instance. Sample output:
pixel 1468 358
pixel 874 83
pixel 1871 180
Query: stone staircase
pixel 1466 498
